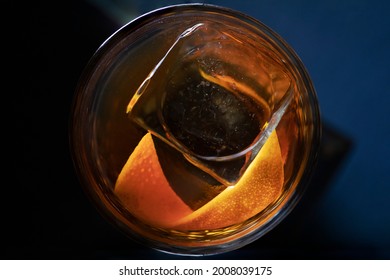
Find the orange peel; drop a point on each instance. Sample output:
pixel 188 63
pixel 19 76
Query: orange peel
pixel 144 190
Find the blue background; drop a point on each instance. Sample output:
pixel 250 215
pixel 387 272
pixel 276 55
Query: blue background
pixel 345 46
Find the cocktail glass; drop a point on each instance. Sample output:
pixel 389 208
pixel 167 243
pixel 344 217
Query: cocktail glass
pixel 195 129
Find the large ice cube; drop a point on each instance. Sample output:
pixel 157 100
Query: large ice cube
pixel 215 96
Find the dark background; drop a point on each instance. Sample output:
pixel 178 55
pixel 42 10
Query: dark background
pixel 345 213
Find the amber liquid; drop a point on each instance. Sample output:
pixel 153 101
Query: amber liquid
pixel 203 116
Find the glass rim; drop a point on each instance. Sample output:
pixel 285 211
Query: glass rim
pixel 75 126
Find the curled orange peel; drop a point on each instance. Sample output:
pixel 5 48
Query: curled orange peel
pixel 144 190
